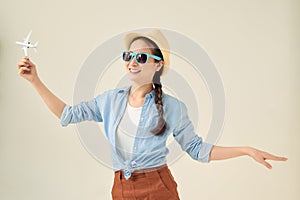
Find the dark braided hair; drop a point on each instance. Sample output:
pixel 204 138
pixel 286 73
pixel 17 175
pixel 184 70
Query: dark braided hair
pixel 161 125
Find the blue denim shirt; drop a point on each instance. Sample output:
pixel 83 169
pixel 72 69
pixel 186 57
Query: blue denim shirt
pixel 148 150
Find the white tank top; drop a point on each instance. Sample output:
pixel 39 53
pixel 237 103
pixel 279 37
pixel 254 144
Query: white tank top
pixel 126 131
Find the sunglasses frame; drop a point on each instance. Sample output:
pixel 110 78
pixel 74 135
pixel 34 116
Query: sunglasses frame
pixel 134 55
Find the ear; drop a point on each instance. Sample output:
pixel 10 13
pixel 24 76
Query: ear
pixel 159 65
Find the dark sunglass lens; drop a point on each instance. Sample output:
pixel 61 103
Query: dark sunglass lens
pixel 141 58
pixel 127 56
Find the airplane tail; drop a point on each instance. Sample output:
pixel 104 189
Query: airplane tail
pixel 35 46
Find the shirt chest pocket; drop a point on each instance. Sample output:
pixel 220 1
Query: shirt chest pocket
pixel 149 120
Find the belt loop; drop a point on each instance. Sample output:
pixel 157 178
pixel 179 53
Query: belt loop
pixel 121 182
pixel 118 175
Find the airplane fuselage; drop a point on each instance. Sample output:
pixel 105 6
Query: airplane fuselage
pixel 28 45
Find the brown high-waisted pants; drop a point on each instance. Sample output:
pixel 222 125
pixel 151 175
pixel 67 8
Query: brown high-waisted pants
pixel 150 184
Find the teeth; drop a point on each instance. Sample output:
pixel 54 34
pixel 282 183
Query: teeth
pixel 135 70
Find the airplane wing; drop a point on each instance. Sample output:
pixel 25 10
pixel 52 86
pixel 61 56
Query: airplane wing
pixel 20 43
pixel 25 51
pixel 27 38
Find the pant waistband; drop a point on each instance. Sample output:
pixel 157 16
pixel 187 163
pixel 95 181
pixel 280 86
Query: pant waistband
pixel 141 171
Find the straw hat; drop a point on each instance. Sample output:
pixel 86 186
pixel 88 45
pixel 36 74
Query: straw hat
pixel 158 38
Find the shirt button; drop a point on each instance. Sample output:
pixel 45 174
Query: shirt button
pixel 142 119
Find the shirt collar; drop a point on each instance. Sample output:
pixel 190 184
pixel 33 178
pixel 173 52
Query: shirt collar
pixel 126 89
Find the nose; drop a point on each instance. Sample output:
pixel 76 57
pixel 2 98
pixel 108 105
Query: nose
pixel 133 62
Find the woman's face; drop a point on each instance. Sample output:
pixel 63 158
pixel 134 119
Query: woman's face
pixel 141 74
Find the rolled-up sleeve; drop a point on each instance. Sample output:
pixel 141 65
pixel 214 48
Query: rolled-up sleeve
pixel 84 111
pixel 190 142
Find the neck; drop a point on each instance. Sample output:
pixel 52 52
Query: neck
pixel 140 91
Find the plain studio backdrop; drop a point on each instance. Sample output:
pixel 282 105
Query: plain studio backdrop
pixel 254 45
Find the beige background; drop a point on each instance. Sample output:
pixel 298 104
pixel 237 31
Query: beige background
pixel 254 44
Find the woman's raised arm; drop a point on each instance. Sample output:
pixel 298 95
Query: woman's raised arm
pixel 28 71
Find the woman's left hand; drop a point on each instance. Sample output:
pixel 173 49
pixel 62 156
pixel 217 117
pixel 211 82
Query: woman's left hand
pixel 261 157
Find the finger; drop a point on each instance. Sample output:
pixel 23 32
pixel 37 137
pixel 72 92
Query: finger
pixel 23 64
pixel 25 60
pixel 25 69
pixel 278 158
pixel 267 164
pixel 30 63
pixel 272 157
pixel 22 70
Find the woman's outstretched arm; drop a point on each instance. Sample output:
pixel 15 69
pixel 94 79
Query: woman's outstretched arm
pixel 28 71
pixel 222 153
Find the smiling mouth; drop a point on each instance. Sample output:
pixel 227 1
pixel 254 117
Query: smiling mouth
pixel 134 70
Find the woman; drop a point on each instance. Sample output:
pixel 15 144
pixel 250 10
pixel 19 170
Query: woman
pixel 138 119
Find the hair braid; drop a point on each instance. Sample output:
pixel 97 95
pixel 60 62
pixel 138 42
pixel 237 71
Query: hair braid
pixel 161 125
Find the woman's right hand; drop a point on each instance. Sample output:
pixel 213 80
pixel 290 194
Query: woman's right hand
pixel 27 69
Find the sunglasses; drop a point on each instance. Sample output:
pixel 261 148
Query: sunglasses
pixel 141 57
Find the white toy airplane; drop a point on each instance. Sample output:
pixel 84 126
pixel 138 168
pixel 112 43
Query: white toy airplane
pixel 26 44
